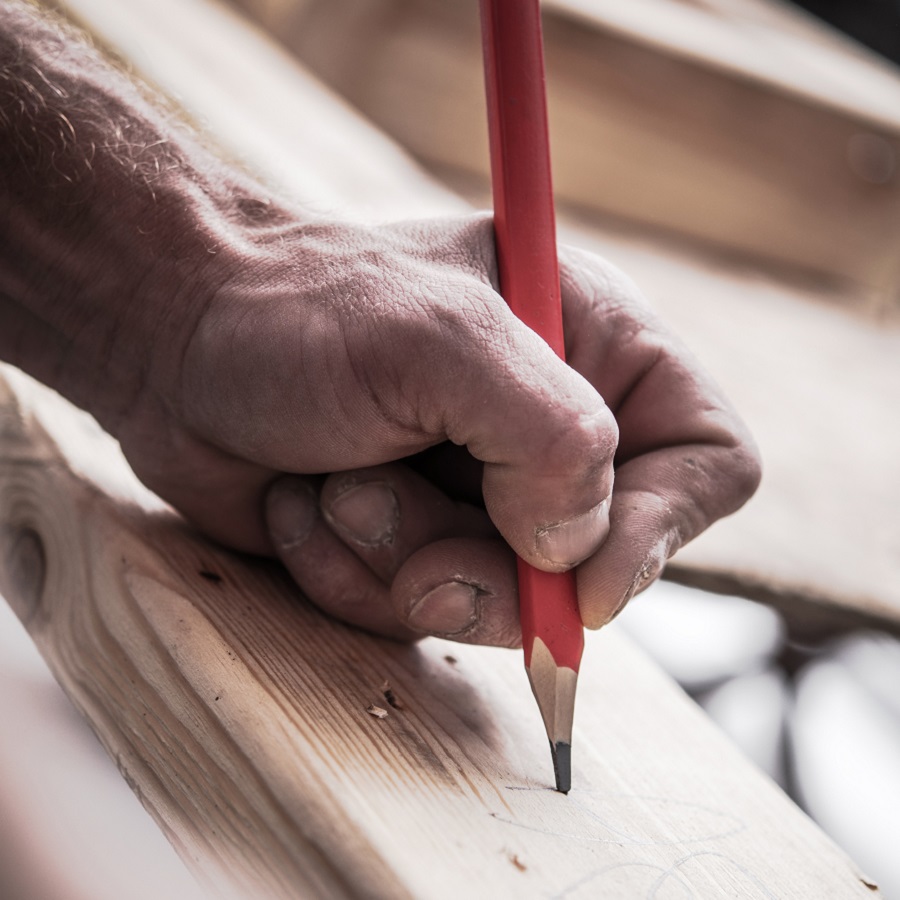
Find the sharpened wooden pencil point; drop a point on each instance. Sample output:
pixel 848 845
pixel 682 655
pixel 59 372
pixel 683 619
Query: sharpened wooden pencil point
pixel 525 228
pixel 554 689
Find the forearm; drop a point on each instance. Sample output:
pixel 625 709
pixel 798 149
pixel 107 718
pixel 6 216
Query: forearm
pixel 111 212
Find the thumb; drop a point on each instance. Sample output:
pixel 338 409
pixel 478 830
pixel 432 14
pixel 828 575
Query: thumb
pixel 545 435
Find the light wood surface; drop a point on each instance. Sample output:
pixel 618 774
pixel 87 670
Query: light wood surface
pixel 243 720
pixel 740 124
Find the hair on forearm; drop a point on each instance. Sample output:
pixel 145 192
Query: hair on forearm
pixel 111 207
pixel 63 111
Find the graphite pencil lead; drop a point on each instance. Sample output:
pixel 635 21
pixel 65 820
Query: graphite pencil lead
pixel 562 765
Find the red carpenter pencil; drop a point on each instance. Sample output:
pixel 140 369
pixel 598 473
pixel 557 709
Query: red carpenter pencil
pixel 525 227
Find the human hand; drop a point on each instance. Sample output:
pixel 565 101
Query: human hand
pixel 227 341
pixel 385 357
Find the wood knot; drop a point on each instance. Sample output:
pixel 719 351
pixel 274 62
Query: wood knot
pixel 25 564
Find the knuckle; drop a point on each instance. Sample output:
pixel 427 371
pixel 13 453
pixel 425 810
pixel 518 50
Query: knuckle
pixel 582 442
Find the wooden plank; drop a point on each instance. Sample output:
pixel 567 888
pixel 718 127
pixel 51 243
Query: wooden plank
pixel 737 124
pixel 238 713
pixel 764 41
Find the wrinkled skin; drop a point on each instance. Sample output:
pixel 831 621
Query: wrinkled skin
pixel 337 349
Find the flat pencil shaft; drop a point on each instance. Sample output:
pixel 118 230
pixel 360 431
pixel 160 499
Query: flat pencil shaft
pixel 524 217
pixel 525 227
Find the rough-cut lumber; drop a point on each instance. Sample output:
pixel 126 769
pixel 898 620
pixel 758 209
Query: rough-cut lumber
pixel 241 717
pixel 741 124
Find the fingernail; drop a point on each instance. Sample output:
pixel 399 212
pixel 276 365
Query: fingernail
pixel 366 513
pixel 291 511
pixel 446 610
pixel 568 543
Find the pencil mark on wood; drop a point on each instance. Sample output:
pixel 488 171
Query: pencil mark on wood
pixel 742 882
pixel 629 819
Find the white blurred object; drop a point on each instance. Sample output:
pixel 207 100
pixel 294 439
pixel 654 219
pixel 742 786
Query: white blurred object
pixel 874 660
pixel 702 639
pixel 845 744
pixel 70 828
pixel 752 710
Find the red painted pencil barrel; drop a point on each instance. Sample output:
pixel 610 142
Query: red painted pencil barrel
pixel 525 226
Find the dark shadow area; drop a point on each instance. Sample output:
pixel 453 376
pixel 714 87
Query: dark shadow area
pixel 875 23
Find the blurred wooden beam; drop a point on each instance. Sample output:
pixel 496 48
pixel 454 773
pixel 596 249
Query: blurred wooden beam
pixel 738 123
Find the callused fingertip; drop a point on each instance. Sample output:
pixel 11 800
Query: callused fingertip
pixel 291 511
pixel 446 610
pixel 366 513
pixel 565 544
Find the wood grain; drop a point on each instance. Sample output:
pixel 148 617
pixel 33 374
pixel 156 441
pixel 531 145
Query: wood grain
pixel 237 712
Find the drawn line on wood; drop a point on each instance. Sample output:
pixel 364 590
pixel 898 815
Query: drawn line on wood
pixel 670 873
pixel 660 807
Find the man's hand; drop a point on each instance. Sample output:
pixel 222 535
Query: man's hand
pixel 358 401
pixel 386 357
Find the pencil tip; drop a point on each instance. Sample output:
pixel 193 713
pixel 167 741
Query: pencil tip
pixel 562 765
